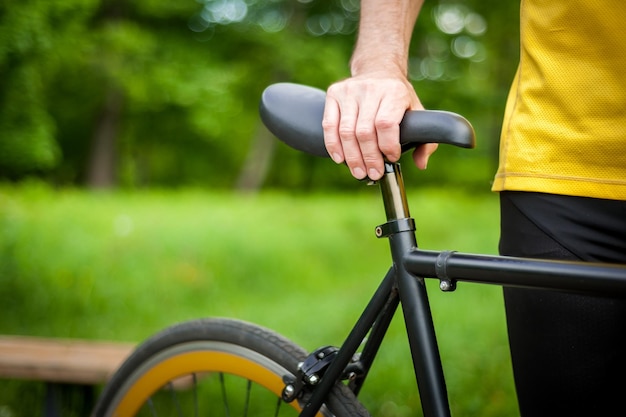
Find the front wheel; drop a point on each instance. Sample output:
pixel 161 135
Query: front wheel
pixel 213 367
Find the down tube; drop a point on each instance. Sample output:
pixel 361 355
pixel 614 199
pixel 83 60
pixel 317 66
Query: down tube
pixel 423 342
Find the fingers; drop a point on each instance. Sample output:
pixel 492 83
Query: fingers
pixel 330 123
pixel 350 135
pixel 361 125
pixel 359 138
pixel 387 124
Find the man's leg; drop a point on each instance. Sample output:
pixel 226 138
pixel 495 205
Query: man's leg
pixel 568 350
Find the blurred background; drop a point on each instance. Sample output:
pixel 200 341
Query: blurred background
pixel 138 187
pixel 148 93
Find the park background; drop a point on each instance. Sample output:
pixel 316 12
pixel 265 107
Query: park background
pixel 138 187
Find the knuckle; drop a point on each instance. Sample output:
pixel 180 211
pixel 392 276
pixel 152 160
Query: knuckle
pixel 389 152
pixel 372 160
pixel 385 123
pixel 333 89
pixel 366 133
pixel 353 158
pixel 347 133
pixel 353 161
pixel 331 144
pixel 328 124
pixel 389 146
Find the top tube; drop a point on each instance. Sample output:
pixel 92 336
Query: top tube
pixel 579 277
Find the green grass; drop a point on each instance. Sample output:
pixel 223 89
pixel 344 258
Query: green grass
pixel 121 266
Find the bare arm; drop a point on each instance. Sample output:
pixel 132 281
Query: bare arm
pixel 363 112
pixel 385 31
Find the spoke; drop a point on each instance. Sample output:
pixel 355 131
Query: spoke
pixel 195 394
pixel 278 404
pixel 224 396
pixel 175 398
pixel 247 404
pixel 151 407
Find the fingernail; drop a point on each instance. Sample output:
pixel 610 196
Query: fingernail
pixel 337 158
pixel 374 174
pixel 358 173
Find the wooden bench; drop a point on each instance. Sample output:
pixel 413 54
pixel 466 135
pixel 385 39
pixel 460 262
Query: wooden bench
pixel 63 364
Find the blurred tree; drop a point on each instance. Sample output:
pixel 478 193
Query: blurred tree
pixel 463 57
pixel 35 36
pixel 148 92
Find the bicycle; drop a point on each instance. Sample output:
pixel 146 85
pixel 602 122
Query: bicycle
pixel 202 360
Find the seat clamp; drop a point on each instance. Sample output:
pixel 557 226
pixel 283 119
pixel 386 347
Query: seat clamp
pixel 395 226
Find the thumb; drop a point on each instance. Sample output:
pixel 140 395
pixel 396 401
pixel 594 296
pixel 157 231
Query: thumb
pixel 422 153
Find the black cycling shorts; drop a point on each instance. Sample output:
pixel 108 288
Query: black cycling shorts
pixel 568 350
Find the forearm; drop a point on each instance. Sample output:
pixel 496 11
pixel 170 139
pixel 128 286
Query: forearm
pixel 385 31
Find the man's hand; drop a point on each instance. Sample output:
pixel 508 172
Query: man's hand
pixel 361 122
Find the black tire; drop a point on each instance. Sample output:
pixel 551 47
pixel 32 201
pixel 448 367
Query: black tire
pixel 200 360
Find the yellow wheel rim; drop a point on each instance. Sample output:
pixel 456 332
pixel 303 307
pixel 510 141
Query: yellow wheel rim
pixel 187 363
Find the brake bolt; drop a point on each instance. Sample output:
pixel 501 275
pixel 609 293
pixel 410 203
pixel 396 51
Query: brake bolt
pixel 289 390
pixel 313 379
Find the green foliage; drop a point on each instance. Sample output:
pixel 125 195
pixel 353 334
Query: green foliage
pixel 28 135
pixel 34 36
pixel 122 266
pixel 188 75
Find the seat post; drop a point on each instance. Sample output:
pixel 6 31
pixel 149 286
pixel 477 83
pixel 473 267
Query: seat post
pixel 394 194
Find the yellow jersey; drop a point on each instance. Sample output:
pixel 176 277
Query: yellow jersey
pixel 564 130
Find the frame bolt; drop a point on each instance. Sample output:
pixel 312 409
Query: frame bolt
pixel 289 390
pixel 447 285
pixel 313 379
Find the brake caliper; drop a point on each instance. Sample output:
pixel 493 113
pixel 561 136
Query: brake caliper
pixel 310 372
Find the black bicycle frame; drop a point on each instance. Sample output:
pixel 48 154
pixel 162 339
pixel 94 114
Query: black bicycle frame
pixel 405 284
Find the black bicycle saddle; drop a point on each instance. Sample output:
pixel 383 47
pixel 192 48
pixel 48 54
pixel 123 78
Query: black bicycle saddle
pixel 294 112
